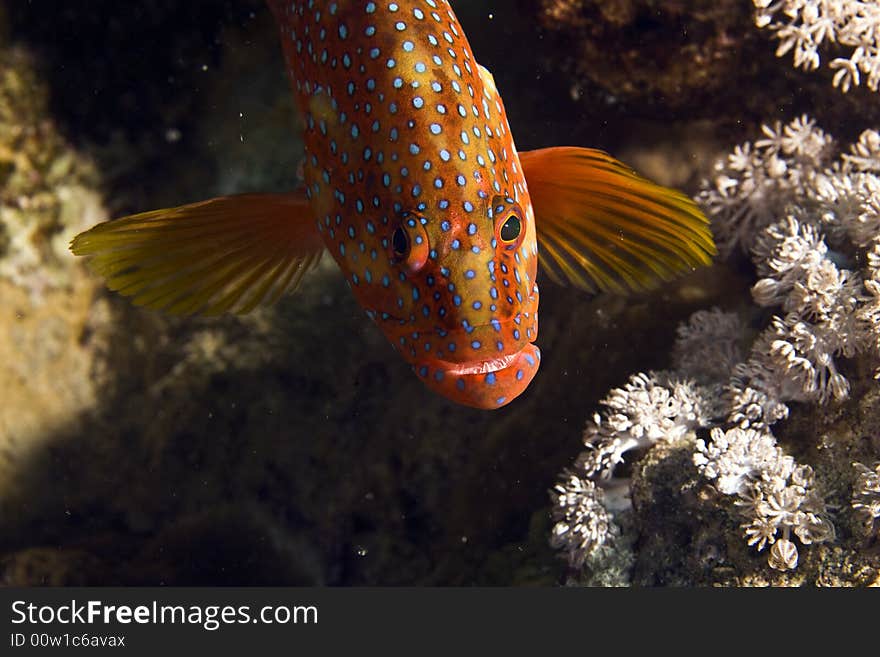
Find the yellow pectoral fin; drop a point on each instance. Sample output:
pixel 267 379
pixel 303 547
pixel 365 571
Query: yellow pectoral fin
pixel 226 254
pixel 601 226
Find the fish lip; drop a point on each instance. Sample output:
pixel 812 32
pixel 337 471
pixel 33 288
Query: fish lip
pixel 479 367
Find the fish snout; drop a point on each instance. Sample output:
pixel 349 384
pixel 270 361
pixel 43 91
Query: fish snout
pixel 483 366
pixel 495 339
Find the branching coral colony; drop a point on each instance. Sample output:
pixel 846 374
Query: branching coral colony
pixel 809 217
pixel 806 26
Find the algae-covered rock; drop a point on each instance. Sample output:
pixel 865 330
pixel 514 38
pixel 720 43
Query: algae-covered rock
pixel 673 52
pixel 47 189
pixel 694 59
pixel 50 324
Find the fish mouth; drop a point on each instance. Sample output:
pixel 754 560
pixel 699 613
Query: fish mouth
pixel 478 367
pixel 487 384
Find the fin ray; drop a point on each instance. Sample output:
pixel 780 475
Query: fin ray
pixel 601 226
pixel 226 254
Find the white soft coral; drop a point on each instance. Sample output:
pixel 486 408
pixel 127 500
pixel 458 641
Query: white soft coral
pixel 804 27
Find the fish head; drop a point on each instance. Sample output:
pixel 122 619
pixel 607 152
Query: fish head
pixel 465 312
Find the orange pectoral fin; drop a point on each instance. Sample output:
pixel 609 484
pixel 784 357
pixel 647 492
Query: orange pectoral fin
pixel 601 226
pixel 226 254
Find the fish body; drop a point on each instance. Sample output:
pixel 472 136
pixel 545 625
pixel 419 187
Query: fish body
pixel 404 131
pixel 414 185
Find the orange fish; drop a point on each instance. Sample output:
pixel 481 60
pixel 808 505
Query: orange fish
pixel 413 184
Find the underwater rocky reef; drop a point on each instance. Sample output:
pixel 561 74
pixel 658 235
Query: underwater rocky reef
pixel 731 418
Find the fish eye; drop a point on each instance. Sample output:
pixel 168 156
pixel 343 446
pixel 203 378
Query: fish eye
pixel 400 242
pixel 511 229
pixel 409 245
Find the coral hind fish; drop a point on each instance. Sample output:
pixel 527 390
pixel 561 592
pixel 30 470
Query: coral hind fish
pixel 413 184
